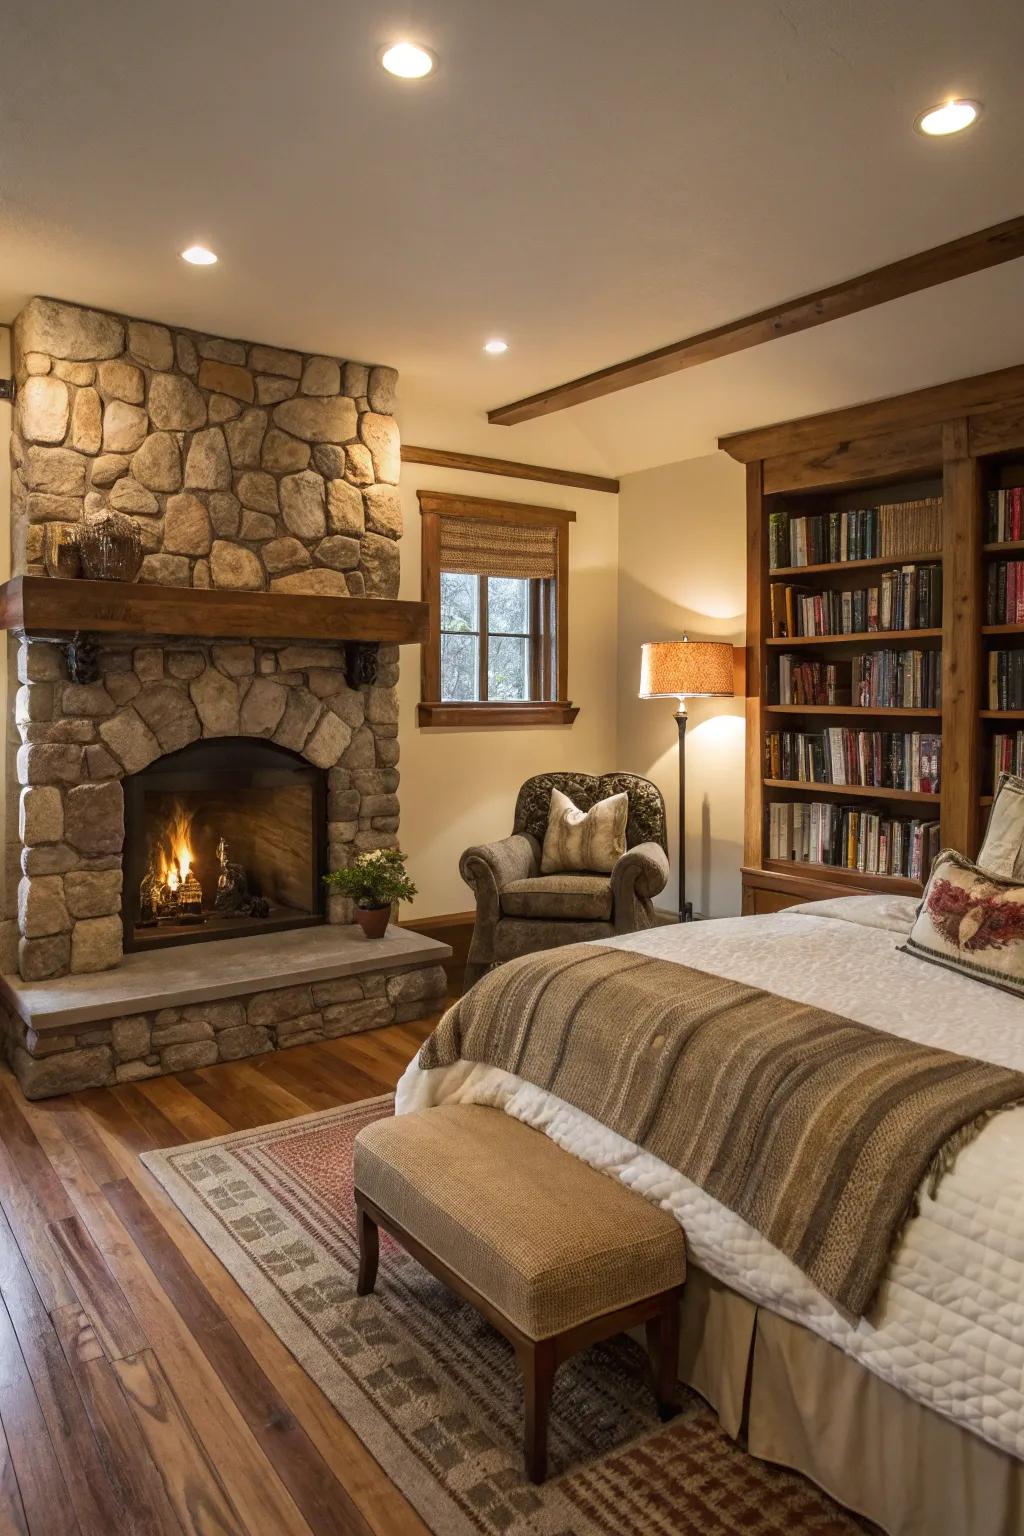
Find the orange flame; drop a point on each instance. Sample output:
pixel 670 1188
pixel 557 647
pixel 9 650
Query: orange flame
pixel 174 849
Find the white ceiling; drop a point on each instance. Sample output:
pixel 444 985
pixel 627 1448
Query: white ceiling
pixel 587 178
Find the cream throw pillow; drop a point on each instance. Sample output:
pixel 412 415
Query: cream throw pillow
pixel 1002 852
pixel 972 922
pixel 584 840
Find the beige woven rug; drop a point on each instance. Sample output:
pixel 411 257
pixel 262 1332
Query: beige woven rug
pixel 434 1392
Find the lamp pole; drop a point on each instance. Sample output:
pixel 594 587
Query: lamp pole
pixel 685 907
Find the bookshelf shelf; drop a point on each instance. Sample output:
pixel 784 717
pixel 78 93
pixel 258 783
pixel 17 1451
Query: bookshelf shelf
pixel 1007 547
pixel 1001 714
pixel 876 562
pixel 854 877
pixel 1002 629
pixel 878 638
pixel 859 791
pixel 862 710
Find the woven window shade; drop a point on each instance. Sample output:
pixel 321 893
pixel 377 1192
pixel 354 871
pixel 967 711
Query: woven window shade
pixel 497 549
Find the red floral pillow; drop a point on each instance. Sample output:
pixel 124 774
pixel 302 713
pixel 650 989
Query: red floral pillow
pixel 971 921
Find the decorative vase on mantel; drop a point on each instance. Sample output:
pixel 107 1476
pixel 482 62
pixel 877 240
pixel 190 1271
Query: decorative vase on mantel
pixel 110 546
pixel 373 920
pixel 61 554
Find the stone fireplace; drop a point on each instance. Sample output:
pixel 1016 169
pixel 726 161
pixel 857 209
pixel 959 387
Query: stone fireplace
pixel 232 740
pixel 86 744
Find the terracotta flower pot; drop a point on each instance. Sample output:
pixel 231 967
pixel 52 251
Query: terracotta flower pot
pixel 373 920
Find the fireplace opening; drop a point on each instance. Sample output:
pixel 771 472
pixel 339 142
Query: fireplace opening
pixel 223 838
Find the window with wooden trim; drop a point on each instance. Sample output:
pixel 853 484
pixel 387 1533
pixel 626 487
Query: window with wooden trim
pixel 496 578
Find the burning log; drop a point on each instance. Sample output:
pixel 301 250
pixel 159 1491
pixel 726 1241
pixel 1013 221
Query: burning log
pixel 170 890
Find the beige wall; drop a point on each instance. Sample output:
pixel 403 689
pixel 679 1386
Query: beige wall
pixel 682 567
pixel 459 786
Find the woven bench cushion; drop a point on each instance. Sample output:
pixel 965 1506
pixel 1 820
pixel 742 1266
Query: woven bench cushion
pixel 547 1240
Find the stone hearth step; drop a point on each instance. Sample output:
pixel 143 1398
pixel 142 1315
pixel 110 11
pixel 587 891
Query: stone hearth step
pixel 173 1009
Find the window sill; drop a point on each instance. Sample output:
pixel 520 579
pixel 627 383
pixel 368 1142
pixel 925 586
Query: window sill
pixel 471 716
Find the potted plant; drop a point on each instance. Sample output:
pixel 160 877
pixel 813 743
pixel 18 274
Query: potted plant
pixel 373 881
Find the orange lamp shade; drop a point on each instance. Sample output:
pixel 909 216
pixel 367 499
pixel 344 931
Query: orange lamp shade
pixel 686 669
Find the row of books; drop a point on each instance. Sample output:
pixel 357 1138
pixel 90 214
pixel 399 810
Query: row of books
pixel 907 760
pixel 895 529
pixel 872 680
pixel 808 682
pixel 908 598
pixel 1005 518
pixel 1004 592
pixel 1006 679
pixel 1007 755
pixel 897 680
pixel 848 837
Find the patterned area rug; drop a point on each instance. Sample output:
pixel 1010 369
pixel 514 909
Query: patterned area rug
pixel 434 1392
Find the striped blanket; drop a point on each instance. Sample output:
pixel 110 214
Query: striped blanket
pixel 816 1130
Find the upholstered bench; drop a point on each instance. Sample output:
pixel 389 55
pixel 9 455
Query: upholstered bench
pixel 555 1255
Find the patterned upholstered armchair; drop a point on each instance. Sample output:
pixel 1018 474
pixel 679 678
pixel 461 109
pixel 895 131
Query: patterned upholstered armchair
pixel 519 910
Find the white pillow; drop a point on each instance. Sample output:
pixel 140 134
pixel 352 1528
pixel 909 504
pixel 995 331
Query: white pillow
pixel 1002 852
pixel 591 840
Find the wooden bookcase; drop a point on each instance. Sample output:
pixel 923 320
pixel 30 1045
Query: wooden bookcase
pixel 958 441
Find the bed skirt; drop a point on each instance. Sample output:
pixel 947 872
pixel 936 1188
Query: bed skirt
pixel 797 1400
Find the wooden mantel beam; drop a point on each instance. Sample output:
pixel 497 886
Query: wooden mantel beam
pixel 940 264
pixel 40 605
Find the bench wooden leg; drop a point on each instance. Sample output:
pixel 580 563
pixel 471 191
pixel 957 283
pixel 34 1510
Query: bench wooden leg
pixel 538 1364
pixel 663 1347
pixel 369 1250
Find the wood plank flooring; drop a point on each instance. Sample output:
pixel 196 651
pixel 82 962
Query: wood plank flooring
pixel 140 1392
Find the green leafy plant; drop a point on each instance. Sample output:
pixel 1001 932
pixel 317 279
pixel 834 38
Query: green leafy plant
pixel 374 879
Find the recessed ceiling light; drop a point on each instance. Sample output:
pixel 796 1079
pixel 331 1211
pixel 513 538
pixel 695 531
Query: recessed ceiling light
pixel 950 117
pixel 495 346
pixel 198 256
pixel 408 61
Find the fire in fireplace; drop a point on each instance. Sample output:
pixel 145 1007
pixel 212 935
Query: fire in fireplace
pixel 221 839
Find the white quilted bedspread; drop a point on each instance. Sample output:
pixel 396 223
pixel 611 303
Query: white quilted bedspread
pixel 948 1328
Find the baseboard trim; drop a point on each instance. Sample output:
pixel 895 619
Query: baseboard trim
pixel 430 925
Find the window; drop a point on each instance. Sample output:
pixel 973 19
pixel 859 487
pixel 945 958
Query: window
pixel 496 639
pixel 495 575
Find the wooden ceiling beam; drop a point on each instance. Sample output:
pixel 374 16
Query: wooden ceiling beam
pixel 450 458
pixel 941 264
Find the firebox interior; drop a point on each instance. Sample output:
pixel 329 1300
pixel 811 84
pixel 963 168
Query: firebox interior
pixel 223 838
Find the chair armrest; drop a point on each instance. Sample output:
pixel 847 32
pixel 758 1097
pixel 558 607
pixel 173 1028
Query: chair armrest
pixel 637 878
pixel 495 865
pixel 487 869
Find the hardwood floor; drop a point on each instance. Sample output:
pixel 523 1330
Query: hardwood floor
pixel 139 1390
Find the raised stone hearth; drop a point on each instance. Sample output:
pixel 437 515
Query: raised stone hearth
pixel 233 999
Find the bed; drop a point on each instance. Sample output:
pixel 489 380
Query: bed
pixel 914 1414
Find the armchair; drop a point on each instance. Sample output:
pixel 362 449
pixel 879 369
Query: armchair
pixel 519 910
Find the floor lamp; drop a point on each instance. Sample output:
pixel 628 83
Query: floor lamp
pixel 685 669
